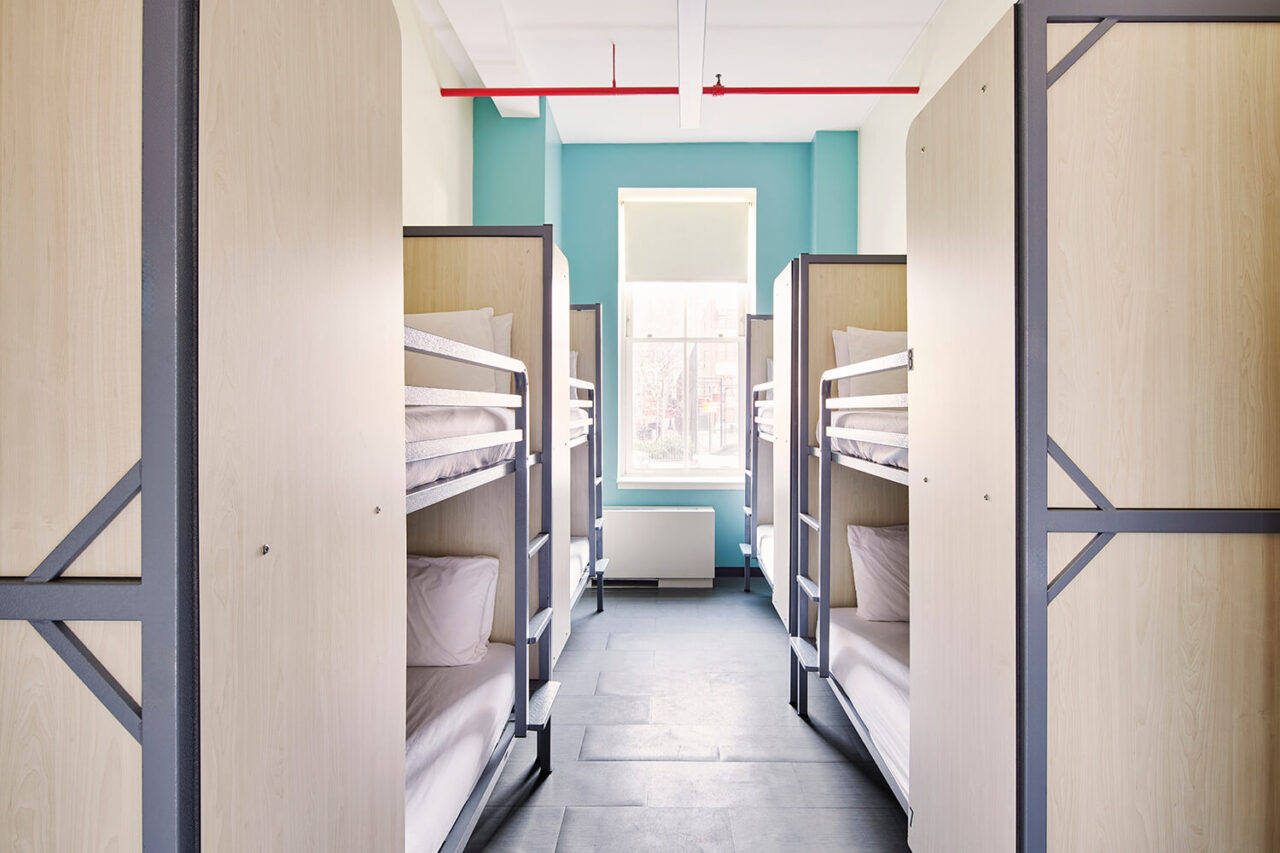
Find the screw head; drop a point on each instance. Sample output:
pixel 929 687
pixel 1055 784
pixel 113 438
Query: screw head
pixel 926 479
pixel 986 497
pixel 377 510
pixel 266 548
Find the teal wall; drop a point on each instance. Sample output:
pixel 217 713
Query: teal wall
pixel 516 168
pixel 834 192
pixel 806 200
pixel 592 176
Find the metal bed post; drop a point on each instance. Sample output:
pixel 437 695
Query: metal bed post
pixel 824 534
pixel 800 466
pixel 748 547
pixel 522 557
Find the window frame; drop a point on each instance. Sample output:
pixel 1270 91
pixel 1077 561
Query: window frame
pixel 687 477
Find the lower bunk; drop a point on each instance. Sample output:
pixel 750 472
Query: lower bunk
pixel 458 736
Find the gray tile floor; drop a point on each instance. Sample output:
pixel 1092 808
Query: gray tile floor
pixel 672 733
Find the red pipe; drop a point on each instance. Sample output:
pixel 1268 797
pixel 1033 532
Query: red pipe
pixel 715 91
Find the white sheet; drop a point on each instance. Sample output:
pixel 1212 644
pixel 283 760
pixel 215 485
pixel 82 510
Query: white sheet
pixel 422 423
pixel 880 420
pixel 872 662
pixel 579 558
pixel 764 550
pixel 454 716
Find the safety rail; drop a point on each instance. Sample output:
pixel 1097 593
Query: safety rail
pixel 529 714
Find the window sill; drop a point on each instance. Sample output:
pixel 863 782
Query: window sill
pixel 731 483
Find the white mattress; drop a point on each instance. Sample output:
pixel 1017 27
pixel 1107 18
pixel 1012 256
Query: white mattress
pixel 872 662
pixel 422 423
pixel 579 558
pixel 880 420
pixel 454 716
pixel 764 550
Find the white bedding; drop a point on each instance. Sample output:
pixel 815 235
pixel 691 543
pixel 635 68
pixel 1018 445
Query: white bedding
pixel 764 550
pixel 454 716
pixel 422 423
pixel 579 558
pixel 872 662
pixel 880 420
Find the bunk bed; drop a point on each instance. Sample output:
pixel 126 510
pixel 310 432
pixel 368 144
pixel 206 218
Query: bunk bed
pixel 587 563
pixel 450 771
pixel 827 309
pixel 866 663
pixel 486 424
pixel 757 484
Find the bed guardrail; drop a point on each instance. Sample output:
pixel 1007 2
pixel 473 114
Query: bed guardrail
pixel 533 699
pixel 596 563
pixel 760 404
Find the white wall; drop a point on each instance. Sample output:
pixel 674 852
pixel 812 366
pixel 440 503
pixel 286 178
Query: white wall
pixel 437 132
pixel 957 28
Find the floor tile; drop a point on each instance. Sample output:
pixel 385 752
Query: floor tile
pixel 677 830
pixel 650 743
pixel 592 783
pixel 722 784
pixel 602 710
pixel 604 660
pixel 512 830
pixel 789 830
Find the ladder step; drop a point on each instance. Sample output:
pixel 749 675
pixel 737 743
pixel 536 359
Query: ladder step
pixel 538 623
pixel 535 544
pixel 745 548
pixel 542 695
pixel 807 652
pixel 808 587
pixel 602 566
pixel 599 481
pixel 750 473
pixel 809 520
pixel 746 510
pixel 600 522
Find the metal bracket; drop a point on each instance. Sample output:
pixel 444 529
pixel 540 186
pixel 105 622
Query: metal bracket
pixel 95 676
pixel 1079 50
pixel 96 521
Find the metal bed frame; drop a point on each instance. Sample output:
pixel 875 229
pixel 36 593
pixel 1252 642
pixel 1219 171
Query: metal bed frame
pixel 755 402
pixel 597 563
pixel 1036 587
pixel 812 654
pixel 533 699
pixel 164 598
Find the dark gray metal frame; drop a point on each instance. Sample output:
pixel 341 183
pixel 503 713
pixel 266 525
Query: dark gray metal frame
pixel 165 596
pixel 755 401
pixel 1035 519
pixel 812 654
pixel 597 563
pixel 534 698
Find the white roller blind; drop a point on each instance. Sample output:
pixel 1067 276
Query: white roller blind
pixel 686 241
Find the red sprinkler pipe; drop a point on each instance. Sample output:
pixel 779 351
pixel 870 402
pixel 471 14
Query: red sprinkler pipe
pixel 715 91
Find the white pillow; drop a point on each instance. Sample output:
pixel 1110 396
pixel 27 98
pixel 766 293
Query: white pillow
pixel 474 328
pixel 881 572
pixel 864 345
pixel 450 603
pixel 502 346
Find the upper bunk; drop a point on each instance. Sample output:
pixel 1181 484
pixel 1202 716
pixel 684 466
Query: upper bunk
pixel 757 507
pixel 587 562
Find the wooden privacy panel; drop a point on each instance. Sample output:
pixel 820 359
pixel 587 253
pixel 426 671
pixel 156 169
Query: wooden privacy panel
pixel 960 239
pixel 1164 386
pixel 505 273
pixel 302 649
pixel 761 353
pixel 784 292
pixel 867 296
pixel 70 400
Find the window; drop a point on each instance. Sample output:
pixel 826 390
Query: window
pixel 686 282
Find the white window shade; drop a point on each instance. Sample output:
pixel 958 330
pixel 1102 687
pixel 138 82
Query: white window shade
pixel 686 241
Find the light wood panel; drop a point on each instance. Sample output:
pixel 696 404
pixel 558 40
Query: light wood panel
pixel 761 352
pixel 1164 180
pixel 784 292
pixel 302 650
pixel 867 296
pixel 70 395
pixel 960 279
pixel 505 273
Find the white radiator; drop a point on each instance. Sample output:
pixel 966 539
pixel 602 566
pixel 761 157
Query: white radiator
pixel 674 544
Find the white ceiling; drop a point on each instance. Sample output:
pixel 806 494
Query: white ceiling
pixel 749 42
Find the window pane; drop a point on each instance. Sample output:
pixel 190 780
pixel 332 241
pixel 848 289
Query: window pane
pixel 657 411
pixel 715 310
pixel 717 438
pixel 657 311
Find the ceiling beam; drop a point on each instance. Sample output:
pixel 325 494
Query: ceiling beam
pixel 691 22
pixel 482 28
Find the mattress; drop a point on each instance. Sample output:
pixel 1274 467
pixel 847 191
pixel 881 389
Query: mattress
pixel 871 661
pixel 880 420
pixel 764 550
pixel 454 717
pixel 422 423
pixel 579 558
